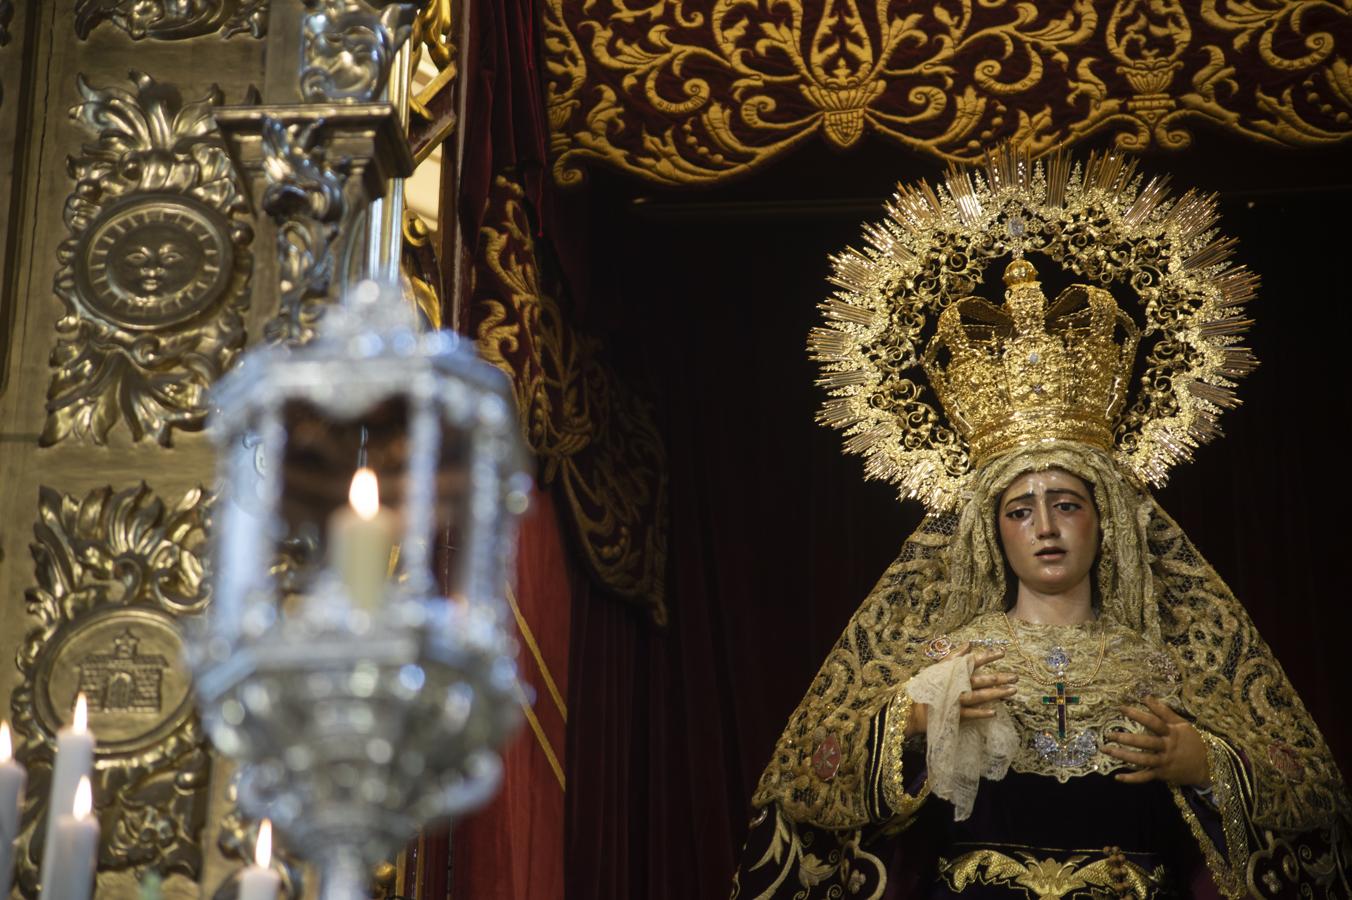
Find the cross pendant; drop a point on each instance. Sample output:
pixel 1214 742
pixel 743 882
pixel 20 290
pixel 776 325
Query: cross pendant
pixel 1062 700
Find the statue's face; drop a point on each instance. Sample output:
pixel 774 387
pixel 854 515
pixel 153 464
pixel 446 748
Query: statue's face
pixel 1050 530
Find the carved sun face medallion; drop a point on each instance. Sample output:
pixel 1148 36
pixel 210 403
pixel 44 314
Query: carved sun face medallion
pixel 155 261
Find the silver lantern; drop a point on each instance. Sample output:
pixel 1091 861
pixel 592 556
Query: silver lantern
pixel 356 660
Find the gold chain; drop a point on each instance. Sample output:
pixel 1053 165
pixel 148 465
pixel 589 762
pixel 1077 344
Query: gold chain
pixel 1103 652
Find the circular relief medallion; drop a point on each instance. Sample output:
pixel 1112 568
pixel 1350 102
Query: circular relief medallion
pixel 128 663
pixel 154 260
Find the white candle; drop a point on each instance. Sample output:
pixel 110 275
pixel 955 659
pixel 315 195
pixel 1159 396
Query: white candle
pixel 76 846
pixel 361 537
pixel 74 760
pixel 13 777
pixel 259 882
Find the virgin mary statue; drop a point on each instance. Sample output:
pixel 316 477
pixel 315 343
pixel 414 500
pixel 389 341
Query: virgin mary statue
pixel 1050 693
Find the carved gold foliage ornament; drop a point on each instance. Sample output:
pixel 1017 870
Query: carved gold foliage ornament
pixel 596 441
pixel 114 571
pixel 305 197
pixel 422 269
pixel 688 91
pixel 154 273
pixel 169 20
pixel 347 47
pixel 432 108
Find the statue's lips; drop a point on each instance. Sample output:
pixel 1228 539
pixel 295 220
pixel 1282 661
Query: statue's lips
pixel 1051 554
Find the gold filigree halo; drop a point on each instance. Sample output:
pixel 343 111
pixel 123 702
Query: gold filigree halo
pixel 1102 223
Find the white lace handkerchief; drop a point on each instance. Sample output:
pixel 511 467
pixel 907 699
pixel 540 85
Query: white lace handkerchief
pixel 959 754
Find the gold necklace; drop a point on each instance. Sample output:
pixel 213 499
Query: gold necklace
pixel 1058 655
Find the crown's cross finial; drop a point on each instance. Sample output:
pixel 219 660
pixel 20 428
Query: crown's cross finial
pixel 1024 300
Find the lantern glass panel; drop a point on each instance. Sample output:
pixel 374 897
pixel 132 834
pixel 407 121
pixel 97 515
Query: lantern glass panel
pixel 454 521
pixel 322 455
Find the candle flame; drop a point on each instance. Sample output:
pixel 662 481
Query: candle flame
pixel 6 746
pixel 364 495
pixel 80 722
pixel 263 849
pixel 84 799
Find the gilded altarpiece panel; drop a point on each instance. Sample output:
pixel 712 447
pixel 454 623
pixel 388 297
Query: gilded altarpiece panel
pixel 114 570
pixel 128 255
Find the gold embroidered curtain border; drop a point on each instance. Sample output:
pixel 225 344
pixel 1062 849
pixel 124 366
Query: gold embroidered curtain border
pixel 691 91
pixel 596 442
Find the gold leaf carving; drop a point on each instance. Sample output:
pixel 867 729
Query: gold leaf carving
pixel 432 109
pixel 596 441
pixel 154 273
pixel 694 91
pixel 170 20
pixel 114 572
pixel 419 264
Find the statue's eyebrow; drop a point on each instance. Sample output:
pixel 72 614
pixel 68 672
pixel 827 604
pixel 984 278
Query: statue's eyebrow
pixel 1029 496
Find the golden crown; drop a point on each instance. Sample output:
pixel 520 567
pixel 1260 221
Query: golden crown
pixel 1032 371
pixel 1028 373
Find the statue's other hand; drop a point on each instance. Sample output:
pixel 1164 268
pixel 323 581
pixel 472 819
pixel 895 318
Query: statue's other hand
pixel 1171 750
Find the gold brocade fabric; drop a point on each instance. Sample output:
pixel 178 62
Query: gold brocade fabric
pixel 697 91
pixel 1164 609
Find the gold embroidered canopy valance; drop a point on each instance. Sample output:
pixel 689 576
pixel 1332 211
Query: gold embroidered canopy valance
pixel 693 91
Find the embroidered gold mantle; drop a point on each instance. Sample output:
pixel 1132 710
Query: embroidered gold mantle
pixel 1081 875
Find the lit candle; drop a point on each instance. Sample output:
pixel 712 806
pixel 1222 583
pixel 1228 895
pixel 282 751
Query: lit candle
pixel 13 777
pixel 74 760
pixel 76 848
pixel 259 882
pixel 361 537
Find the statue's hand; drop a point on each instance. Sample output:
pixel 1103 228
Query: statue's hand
pixel 978 703
pixel 1171 750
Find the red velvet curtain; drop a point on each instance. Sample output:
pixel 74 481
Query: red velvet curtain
pixel 513 849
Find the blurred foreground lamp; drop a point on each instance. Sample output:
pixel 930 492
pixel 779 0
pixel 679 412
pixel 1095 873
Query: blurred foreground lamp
pixel 356 659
